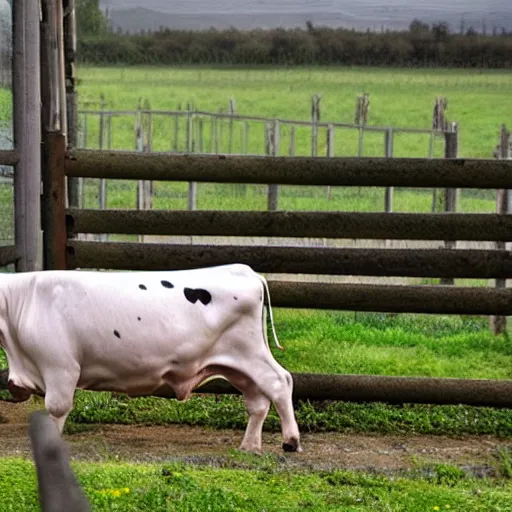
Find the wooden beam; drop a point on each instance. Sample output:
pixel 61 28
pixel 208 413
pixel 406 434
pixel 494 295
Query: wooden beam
pixel 371 172
pixel 477 264
pixel 379 226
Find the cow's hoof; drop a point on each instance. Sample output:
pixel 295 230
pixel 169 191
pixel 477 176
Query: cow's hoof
pixel 292 446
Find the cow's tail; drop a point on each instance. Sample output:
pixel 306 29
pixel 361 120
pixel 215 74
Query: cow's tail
pixel 274 334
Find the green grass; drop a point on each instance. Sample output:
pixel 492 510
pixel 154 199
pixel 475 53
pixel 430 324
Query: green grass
pixel 5 104
pixel 477 100
pixel 260 485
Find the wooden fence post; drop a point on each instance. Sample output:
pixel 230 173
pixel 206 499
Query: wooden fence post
pixel 176 141
pixel 232 112
pixel 362 108
pixel 102 192
pixel 192 186
pixel 451 138
pixel 26 89
pixel 330 152
pixel 498 324
pixel 75 185
pixel 59 490
pixel 388 148
pixel 291 148
pixel 54 201
pixel 315 119
pixel 272 149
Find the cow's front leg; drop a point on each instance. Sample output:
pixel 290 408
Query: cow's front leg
pixel 58 400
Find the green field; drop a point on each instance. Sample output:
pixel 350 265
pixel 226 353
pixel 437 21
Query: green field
pixel 477 100
pixel 315 341
pixel 233 488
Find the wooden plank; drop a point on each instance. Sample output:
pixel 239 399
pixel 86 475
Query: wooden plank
pixel 371 172
pixel 477 264
pixel 379 226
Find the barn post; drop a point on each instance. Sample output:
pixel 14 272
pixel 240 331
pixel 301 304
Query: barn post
pixel 498 324
pixel 27 134
pixel 54 201
pixel 75 185
pixel 53 121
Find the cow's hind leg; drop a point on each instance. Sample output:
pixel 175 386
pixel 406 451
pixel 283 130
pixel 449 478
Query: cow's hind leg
pixel 277 384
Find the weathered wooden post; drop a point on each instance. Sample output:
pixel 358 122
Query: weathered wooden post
pixel 330 152
pixel 362 108
pixel 388 151
pixel 192 186
pixel 147 147
pixel 53 120
pixel 59 491
pixel 232 112
pixel 176 141
pixel 498 324
pixel 440 125
pixel 315 119
pixel 27 134
pixel 451 138
pixel 101 144
pixel 272 149
pixel 75 185
pixel 291 148
pixel 54 201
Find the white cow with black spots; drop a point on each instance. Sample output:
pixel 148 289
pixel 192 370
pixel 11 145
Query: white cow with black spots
pixel 134 332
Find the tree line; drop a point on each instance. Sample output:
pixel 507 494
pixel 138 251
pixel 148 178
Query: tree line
pixel 421 45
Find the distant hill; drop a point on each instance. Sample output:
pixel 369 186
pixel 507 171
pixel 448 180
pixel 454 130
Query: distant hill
pixel 136 15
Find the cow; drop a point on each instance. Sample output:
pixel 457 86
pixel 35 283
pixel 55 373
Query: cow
pixel 135 332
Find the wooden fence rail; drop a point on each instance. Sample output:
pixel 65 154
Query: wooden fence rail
pixel 355 172
pixel 377 226
pixel 458 263
pixel 373 388
pixel 8 255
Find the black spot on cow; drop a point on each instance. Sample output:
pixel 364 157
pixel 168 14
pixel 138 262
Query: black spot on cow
pixel 142 287
pixel 116 333
pixel 138 318
pixel 236 298
pixel 195 294
pixel 167 284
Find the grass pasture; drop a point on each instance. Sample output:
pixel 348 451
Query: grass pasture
pixel 233 488
pixel 477 100
pixel 315 341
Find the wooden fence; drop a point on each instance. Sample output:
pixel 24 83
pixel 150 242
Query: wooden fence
pixel 198 122
pixel 63 251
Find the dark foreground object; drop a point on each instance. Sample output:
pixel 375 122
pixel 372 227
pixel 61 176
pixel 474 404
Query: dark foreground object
pixel 59 490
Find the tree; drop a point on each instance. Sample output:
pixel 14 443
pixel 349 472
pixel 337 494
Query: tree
pixel 90 20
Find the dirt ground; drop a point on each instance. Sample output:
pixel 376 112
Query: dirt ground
pixel 212 447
